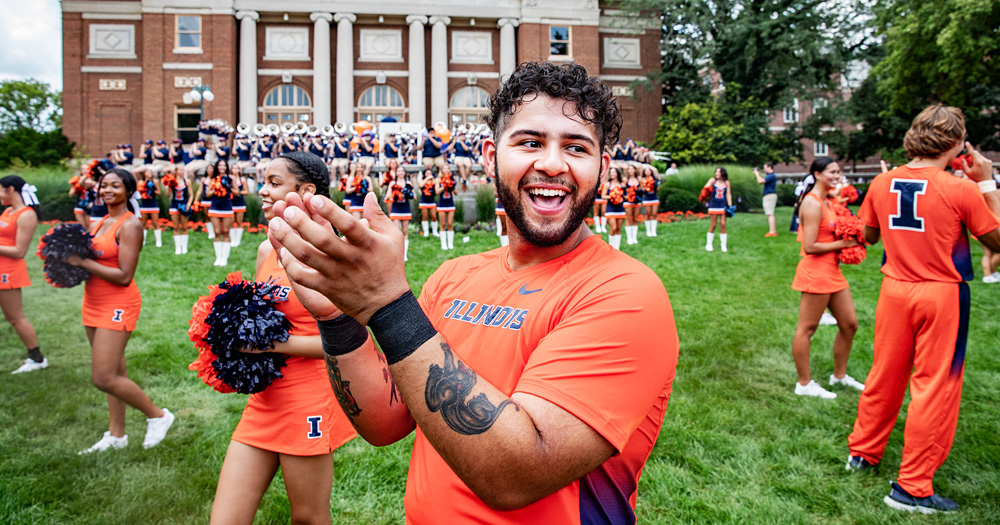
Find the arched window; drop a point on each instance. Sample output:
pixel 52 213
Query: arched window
pixel 378 102
pixel 469 104
pixel 287 103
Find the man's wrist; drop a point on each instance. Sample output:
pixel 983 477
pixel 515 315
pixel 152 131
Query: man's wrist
pixel 341 335
pixel 988 185
pixel 401 327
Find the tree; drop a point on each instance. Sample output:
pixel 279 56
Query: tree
pixel 33 147
pixel 945 52
pixel 29 104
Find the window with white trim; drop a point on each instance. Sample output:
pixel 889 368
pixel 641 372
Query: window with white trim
pixel 287 104
pixel 820 149
pixel 469 104
pixel 188 33
pixel 186 123
pixel 380 101
pixel 791 114
pixel 559 41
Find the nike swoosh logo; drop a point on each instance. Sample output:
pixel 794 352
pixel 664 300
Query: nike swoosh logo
pixel 525 291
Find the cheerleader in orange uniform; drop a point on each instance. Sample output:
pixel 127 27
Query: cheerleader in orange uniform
pixel 427 204
pixel 111 304
pixel 822 284
pixel 614 193
pixel 721 196
pixel 398 193
pixel 296 423
pixel 633 201
pixel 17 228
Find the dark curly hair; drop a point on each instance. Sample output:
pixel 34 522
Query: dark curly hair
pixel 592 99
pixel 309 168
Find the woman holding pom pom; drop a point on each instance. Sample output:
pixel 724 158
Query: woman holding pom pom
pixel 220 190
pixel 149 208
pixel 111 304
pixel 821 282
pixel 296 422
pixel 17 228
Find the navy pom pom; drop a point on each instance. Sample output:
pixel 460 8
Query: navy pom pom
pixel 60 242
pixel 245 317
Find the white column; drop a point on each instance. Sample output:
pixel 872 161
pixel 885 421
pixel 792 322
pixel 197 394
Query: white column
pixel 345 66
pixel 418 75
pixel 508 54
pixel 248 66
pixel 321 68
pixel 439 70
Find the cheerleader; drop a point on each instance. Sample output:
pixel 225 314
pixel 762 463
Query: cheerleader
pixel 180 207
pixel 149 208
pixel 81 187
pixel 203 201
pixel 614 194
pixel 428 206
pixel 650 199
pixel 821 282
pixel 220 211
pixel 398 194
pixel 240 189
pixel 111 304
pixel 600 208
pixel 633 202
pixel 358 185
pixel 721 197
pixel 501 214
pixel 296 422
pixel 445 188
pixel 17 228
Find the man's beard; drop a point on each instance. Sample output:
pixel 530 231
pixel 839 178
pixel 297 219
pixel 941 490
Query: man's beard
pixel 553 235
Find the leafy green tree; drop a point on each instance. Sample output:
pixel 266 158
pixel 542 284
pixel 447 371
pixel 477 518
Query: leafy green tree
pixel 36 148
pixel 29 104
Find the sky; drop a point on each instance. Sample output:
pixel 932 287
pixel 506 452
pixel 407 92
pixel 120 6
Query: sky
pixel 31 42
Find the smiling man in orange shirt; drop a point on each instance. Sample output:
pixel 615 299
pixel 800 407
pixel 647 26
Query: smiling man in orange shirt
pixel 533 373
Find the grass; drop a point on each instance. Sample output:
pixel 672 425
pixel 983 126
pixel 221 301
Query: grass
pixel 737 446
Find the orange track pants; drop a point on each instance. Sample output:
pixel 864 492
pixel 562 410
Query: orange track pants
pixel 919 327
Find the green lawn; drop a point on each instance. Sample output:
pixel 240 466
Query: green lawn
pixel 737 446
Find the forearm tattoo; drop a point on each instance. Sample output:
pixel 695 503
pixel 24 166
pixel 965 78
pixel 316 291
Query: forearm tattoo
pixel 446 391
pixel 387 377
pixel 341 388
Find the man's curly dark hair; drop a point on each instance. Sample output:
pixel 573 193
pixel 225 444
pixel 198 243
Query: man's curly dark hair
pixel 591 98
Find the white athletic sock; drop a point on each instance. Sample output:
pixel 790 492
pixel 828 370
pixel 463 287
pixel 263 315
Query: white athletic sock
pixel 158 234
pixel 234 236
pixel 177 244
pixel 499 227
pixel 211 229
pixel 184 243
pixel 615 241
pixel 425 226
pixel 434 229
pixel 451 239
pixel 406 249
pixel 226 247
pixel 218 252
pixel 722 240
pixel 504 240
pixel 708 242
pixel 444 239
pixel 144 236
pixel 653 224
pixel 633 231
pixel 604 224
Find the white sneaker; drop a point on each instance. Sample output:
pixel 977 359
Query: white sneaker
pixel 827 319
pixel 992 278
pixel 813 389
pixel 156 429
pixel 106 442
pixel 30 365
pixel 846 381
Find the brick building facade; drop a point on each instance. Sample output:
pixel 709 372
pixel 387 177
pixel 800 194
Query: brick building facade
pixel 127 64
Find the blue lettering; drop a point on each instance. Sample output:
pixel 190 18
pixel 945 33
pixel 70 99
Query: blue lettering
pixel 466 317
pixel 451 309
pixel 488 319
pixel 516 325
pixel 482 311
pixel 314 431
pixel 503 316
pixel 906 217
pixel 512 316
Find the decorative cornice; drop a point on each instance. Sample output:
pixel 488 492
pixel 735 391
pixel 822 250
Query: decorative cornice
pixel 350 17
pixel 110 69
pixel 416 18
pixel 513 22
pixel 253 15
pixel 321 15
pixel 440 18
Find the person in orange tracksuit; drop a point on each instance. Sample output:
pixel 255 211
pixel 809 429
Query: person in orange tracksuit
pixel 921 213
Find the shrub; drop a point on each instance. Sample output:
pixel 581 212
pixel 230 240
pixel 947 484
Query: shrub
pixel 33 147
pixel 52 183
pixel 459 212
pixel 786 194
pixel 485 205
pixel 746 191
pixel 679 199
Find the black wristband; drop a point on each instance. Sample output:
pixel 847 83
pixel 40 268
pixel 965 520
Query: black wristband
pixel 400 327
pixel 341 335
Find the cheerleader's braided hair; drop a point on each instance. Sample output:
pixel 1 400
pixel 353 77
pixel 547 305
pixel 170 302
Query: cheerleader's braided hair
pixel 591 99
pixel 309 168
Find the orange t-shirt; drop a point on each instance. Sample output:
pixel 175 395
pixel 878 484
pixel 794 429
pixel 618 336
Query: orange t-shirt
pixel 922 215
pixel 592 332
